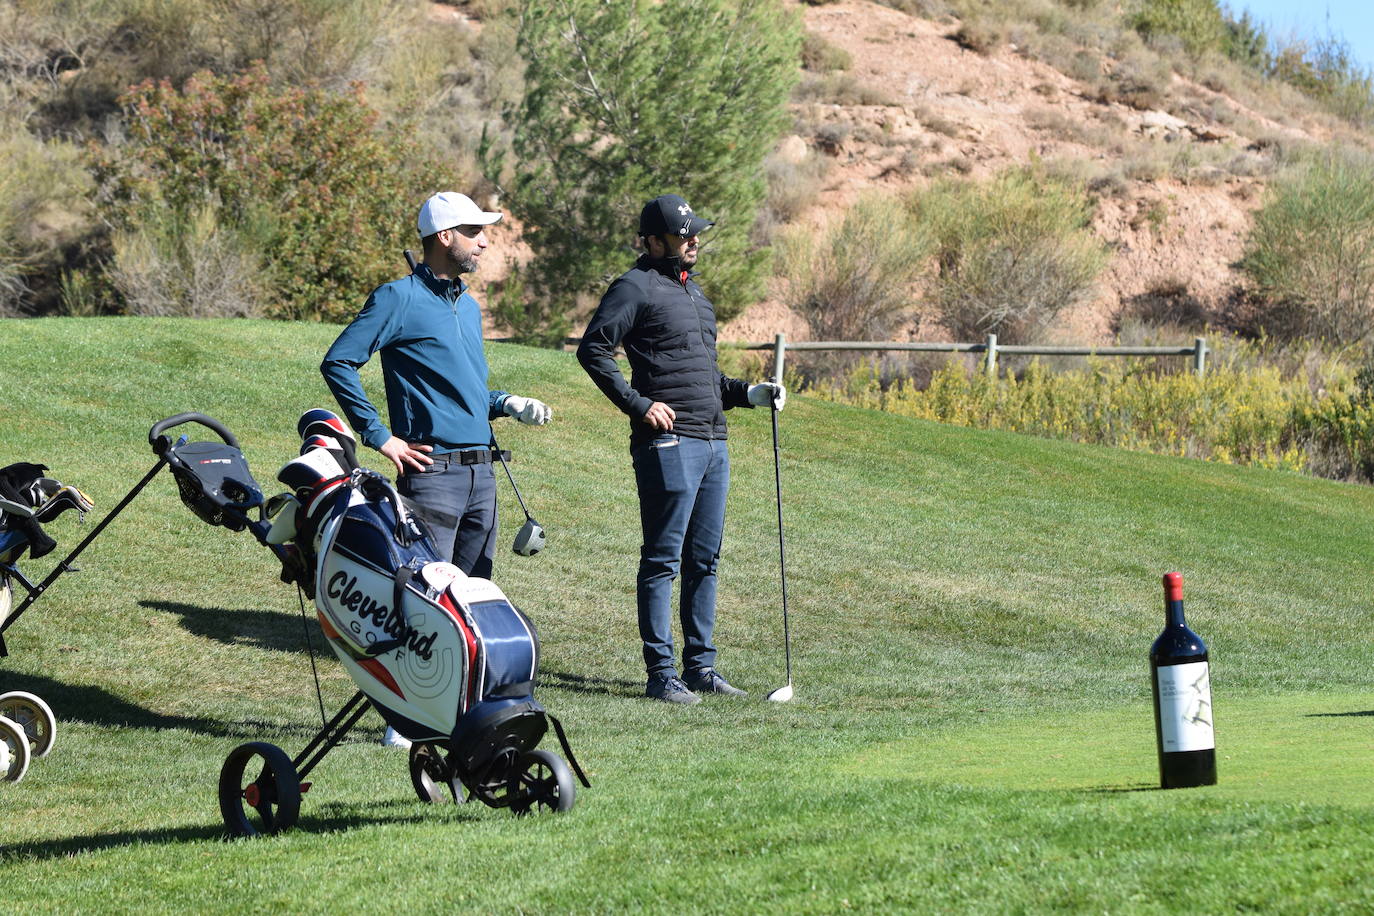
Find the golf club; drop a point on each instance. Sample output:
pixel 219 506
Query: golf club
pixel 782 694
pixel 529 540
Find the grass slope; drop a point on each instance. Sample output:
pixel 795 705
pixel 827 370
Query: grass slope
pixel 972 612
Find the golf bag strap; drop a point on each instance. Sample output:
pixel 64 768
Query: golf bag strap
pixel 563 740
pixel 398 593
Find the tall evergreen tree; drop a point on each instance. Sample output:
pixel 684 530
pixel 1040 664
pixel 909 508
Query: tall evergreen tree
pixel 628 99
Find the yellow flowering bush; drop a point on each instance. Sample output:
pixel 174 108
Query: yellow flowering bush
pixel 1242 415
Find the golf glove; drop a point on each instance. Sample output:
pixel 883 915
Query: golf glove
pixel 761 395
pixel 528 410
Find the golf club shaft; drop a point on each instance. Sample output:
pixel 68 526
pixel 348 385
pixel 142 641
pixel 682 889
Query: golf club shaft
pixel 496 449
pixel 782 552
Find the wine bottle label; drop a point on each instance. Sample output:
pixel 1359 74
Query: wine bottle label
pixel 1185 707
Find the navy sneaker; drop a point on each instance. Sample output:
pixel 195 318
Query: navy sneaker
pixel 707 680
pixel 670 689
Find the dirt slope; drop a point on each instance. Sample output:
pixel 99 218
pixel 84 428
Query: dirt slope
pixel 946 109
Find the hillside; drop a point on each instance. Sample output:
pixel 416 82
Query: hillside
pixel 971 613
pixel 1176 181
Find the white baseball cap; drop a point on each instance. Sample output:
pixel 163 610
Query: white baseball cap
pixel 448 209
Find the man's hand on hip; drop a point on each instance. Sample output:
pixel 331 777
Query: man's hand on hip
pixel 660 416
pixel 406 456
pixel 528 410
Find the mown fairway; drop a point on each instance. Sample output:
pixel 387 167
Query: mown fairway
pixel 971 617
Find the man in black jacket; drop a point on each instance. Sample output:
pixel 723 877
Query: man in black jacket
pixel 676 398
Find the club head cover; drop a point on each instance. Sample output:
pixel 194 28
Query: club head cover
pixel 529 540
pixel 325 423
pixel 282 509
pixel 58 498
pixel 312 476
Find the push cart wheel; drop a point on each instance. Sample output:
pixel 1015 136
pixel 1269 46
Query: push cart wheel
pixel 541 781
pixel 267 803
pixel 34 716
pixel 432 777
pixel 14 751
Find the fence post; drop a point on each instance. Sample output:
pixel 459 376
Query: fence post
pixel 779 348
pixel 990 363
pixel 1200 356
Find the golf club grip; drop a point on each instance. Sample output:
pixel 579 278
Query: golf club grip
pixel 210 423
pixel 410 258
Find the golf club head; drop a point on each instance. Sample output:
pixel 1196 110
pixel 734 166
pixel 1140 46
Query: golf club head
pixel 529 540
pixel 782 694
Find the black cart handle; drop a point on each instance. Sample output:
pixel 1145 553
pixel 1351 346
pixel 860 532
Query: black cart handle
pixel 159 442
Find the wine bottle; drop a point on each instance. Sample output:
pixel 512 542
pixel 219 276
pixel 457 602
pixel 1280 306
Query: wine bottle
pixel 1183 698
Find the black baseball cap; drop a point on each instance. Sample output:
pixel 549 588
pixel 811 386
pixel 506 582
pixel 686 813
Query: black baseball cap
pixel 671 215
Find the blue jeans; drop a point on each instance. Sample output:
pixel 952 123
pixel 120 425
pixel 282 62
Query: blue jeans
pixel 457 503
pixel 682 483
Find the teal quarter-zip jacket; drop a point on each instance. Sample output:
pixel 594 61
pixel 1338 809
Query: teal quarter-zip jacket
pixel 429 333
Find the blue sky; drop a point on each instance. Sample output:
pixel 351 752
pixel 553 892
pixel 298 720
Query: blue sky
pixel 1352 20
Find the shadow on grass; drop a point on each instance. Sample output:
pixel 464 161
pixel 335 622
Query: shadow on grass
pixel 601 686
pixel 97 706
pixel 1323 715
pixel 1116 790
pixel 276 631
pixel 334 818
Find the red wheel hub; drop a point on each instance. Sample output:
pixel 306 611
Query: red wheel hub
pixel 253 795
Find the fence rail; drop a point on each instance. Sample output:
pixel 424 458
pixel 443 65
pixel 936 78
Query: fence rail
pixel 990 348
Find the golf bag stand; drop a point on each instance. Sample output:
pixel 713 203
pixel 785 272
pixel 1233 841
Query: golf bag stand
pixel 28 500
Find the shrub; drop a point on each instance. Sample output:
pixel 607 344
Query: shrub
pixel 1310 251
pixel 1198 24
pixel 1012 252
pixel 626 101
pixel 1251 416
pixel 188 264
pixel 822 56
pixel 42 191
pixel 793 184
pixel 854 280
pixel 303 172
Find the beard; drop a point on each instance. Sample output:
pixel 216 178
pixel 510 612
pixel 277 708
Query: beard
pixel 466 261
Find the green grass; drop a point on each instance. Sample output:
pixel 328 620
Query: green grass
pixel 971 616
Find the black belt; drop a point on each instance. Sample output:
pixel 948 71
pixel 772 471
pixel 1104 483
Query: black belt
pixel 474 456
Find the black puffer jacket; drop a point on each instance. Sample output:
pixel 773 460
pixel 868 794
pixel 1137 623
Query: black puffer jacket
pixel 668 329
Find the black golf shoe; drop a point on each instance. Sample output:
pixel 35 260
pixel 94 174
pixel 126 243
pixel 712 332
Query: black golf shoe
pixel 670 689
pixel 706 680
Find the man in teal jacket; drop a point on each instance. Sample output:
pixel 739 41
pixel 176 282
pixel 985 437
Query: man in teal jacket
pixel 428 329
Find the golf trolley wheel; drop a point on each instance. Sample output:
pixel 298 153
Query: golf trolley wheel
pixel 267 803
pixel 14 751
pixel 541 781
pixel 432 776
pixel 34 716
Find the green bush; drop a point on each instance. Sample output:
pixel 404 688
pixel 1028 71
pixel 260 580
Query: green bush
pixel 1198 24
pixel 854 280
pixel 42 202
pixel 1310 251
pixel 302 173
pixel 626 101
pixel 1256 416
pixel 821 56
pixel 1012 252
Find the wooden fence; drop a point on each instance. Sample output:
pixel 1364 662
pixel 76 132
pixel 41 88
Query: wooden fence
pixel 990 348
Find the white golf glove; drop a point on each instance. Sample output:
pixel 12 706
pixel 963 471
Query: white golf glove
pixel 761 395
pixel 528 410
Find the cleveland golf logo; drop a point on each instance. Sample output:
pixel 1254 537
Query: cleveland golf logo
pixel 343 588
